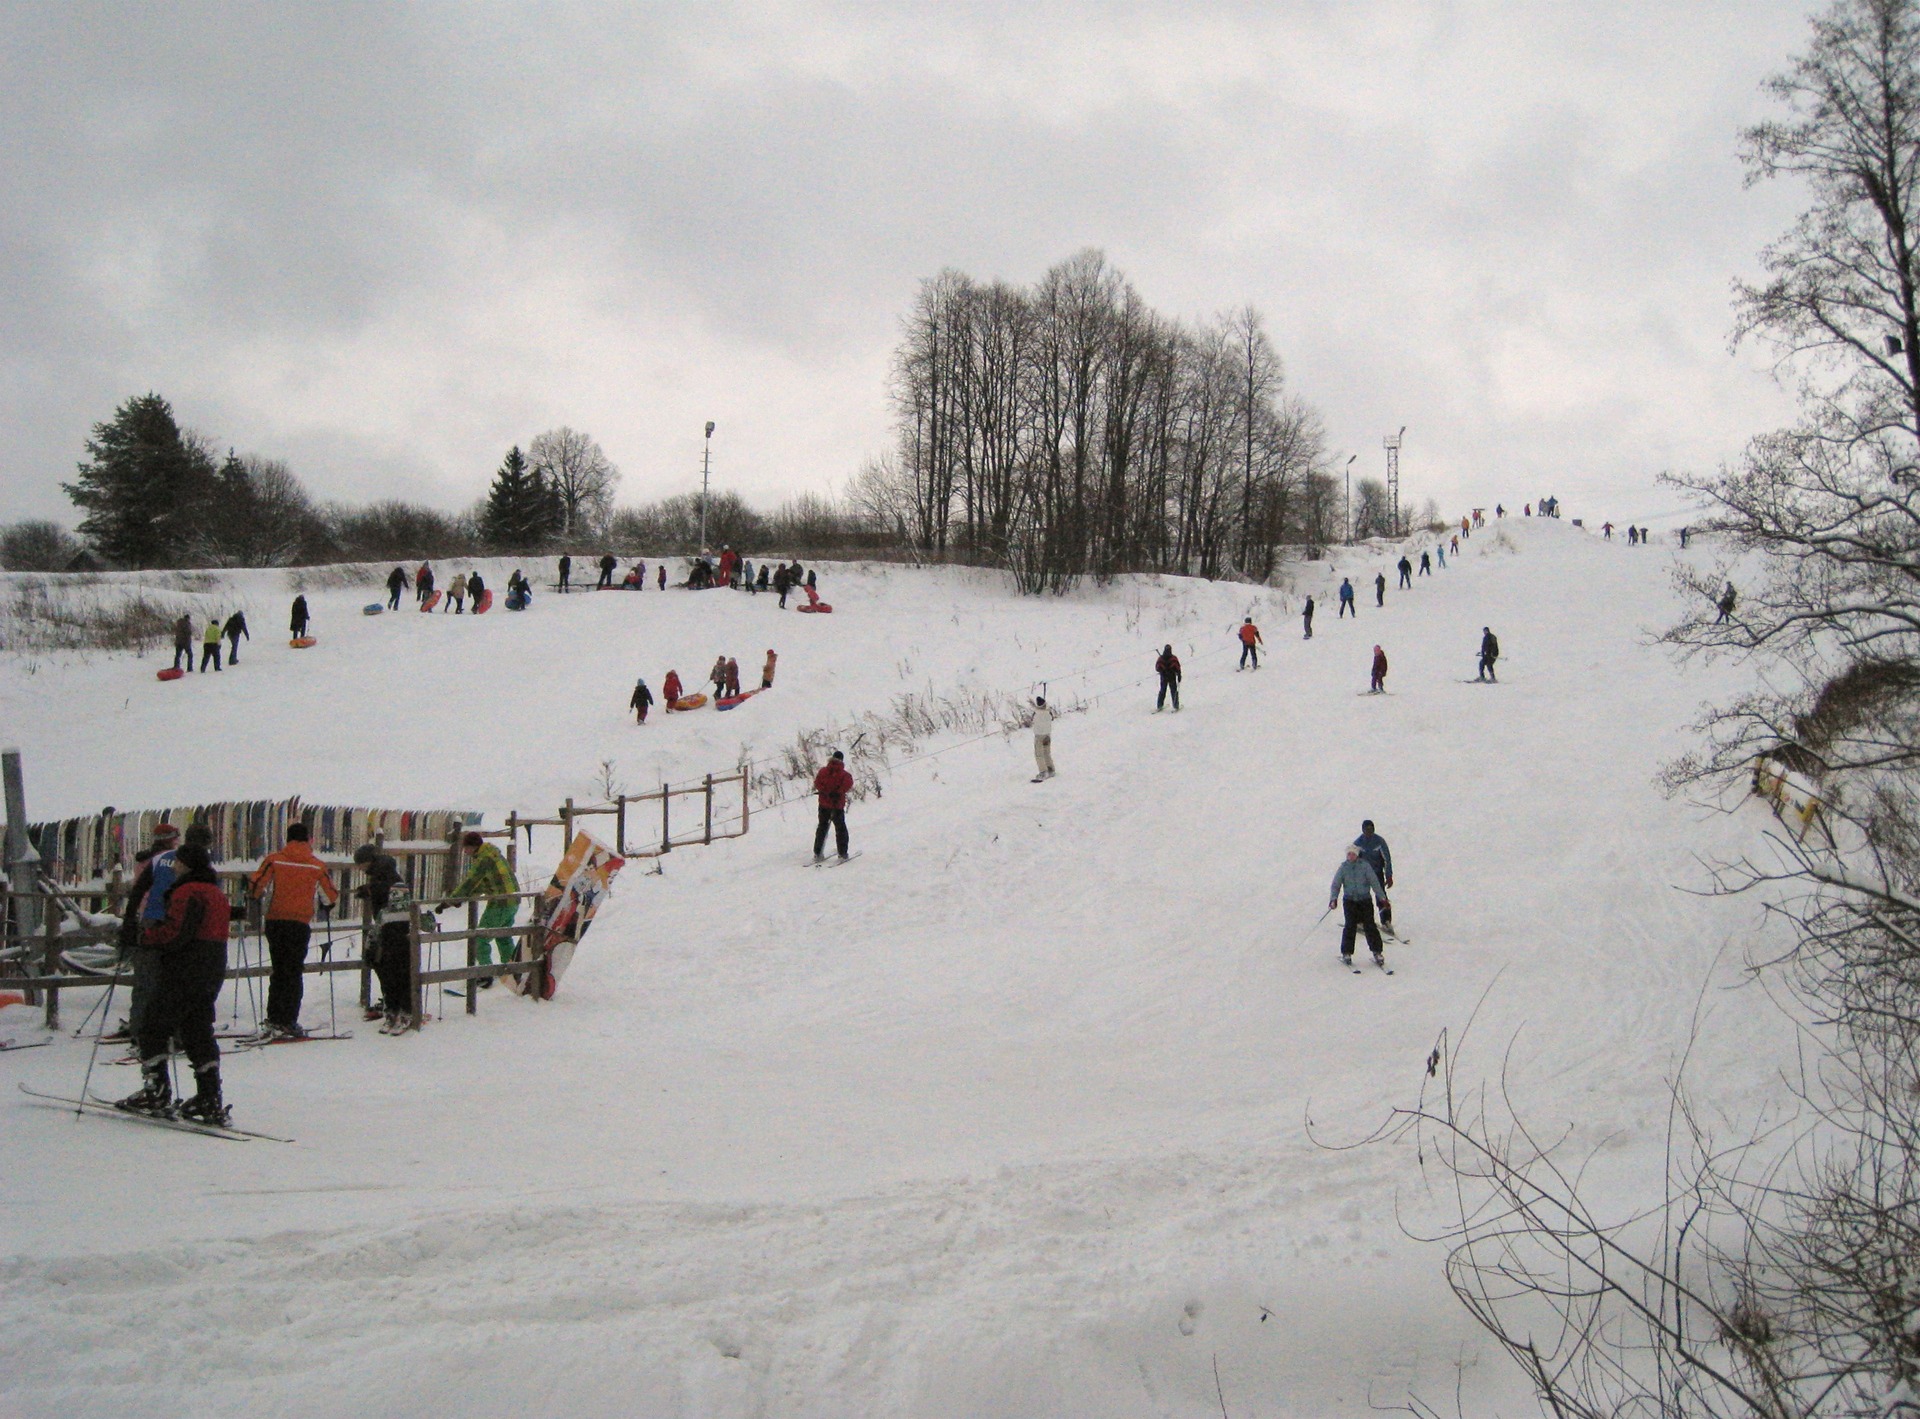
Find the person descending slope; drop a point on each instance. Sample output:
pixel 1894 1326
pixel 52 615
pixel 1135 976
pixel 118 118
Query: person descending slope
pixel 642 699
pixel 1726 604
pixel 833 783
pixel 1346 600
pixel 1042 739
pixel 1250 644
pixel 1406 572
pixel 1379 672
pixel 1489 652
pixel 1355 885
pixel 1168 666
pixel 1377 855
pixel 1306 619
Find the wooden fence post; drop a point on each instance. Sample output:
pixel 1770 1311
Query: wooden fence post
pixel 50 961
pixel 746 801
pixel 620 824
pixel 566 828
pixel 473 924
pixel 417 948
pixel 666 821
pixel 708 836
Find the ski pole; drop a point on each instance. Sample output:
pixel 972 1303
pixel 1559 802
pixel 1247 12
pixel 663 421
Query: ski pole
pixel 1315 927
pixel 326 955
pixel 106 1014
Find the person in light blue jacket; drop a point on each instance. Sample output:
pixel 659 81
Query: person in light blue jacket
pixel 1377 855
pixel 1355 886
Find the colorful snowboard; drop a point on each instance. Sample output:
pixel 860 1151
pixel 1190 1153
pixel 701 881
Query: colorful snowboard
pixel 569 903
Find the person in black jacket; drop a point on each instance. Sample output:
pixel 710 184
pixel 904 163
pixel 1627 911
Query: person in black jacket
pixel 607 566
pixel 1306 619
pixel 1380 589
pixel 566 571
pixel 297 623
pixel 389 933
pixel 1169 667
pixel 1489 652
pixel 642 699
pixel 1406 573
pixel 183 641
pixel 235 628
pixel 396 583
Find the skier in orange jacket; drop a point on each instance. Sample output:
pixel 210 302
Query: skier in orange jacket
pixel 1250 644
pixel 290 879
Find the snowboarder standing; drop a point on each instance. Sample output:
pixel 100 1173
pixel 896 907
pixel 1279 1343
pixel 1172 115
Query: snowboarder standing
pixel 1406 572
pixel 1250 644
pixel 183 642
pixel 1042 739
pixel 490 877
pixel 1346 600
pixel 1489 652
pixel 298 621
pixel 235 628
pixel 1379 672
pixel 833 783
pixel 1380 589
pixel 191 943
pixel 289 880
pixel 396 583
pixel 1306 619
pixel 1355 885
pixel 642 699
pixel 210 646
pixel 1725 604
pixel 1169 667
pixel 1377 855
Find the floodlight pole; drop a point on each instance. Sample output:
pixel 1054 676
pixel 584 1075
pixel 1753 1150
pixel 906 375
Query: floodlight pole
pixel 1346 520
pixel 1392 443
pixel 706 469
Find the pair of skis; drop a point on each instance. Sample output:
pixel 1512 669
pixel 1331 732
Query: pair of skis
pixel 835 861
pixel 93 1104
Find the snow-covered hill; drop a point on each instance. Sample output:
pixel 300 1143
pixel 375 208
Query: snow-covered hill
pixel 1007 1116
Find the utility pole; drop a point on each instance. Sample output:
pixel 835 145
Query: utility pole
pixel 706 468
pixel 1346 527
pixel 1392 442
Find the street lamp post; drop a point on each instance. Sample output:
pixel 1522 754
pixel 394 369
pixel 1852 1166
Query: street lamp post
pixel 706 469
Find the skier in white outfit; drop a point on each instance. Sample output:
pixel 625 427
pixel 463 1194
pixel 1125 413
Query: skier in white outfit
pixel 1042 739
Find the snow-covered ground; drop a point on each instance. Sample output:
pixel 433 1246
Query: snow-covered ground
pixel 1009 1115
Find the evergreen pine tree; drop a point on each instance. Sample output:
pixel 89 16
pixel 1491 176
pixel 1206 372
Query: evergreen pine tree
pixel 522 511
pixel 143 485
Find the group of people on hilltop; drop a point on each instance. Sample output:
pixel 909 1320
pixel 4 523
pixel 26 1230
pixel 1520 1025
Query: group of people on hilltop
pixel 174 932
pixel 1636 536
pixel 1549 507
pixel 231 632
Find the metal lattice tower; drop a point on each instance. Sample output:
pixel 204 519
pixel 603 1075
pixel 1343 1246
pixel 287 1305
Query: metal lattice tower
pixel 1392 444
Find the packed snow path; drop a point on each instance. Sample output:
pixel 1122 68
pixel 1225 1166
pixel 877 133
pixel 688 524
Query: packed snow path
pixel 1008 1116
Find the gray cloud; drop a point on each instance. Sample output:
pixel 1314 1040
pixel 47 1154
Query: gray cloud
pixel 385 242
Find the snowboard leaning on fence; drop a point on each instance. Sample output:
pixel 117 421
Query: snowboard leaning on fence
pixel 568 905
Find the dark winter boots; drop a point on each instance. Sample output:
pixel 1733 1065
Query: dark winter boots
pixel 155 1095
pixel 206 1105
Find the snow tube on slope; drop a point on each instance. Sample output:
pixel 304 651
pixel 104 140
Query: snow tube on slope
pixel 727 702
pixel 820 606
pixel 687 702
pixel 173 673
pixel 372 608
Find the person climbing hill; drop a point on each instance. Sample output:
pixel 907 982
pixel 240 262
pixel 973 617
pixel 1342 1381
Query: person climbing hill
pixel 642 698
pixel 671 688
pixel 1168 666
pixel 1250 644
pixel 832 785
pixel 235 628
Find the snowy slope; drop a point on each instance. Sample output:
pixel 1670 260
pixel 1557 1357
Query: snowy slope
pixel 1007 1116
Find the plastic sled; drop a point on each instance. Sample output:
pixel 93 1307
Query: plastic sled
pixel 687 702
pixel 301 642
pixel 727 702
pixel 372 608
pixel 171 673
pixel 433 600
pixel 484 603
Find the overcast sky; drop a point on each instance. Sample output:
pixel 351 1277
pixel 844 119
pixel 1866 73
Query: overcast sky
pixel 386 242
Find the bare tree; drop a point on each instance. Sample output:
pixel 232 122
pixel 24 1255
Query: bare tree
pixel 579 470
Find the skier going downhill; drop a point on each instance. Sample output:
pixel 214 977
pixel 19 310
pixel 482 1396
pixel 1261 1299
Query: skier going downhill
pixel 1379 672
pixel 1377 855
pixel 1250 644
pixel 833 783
pixel 1346 600
pixel 1168 668
pixel 1489 652
pixel 1355 886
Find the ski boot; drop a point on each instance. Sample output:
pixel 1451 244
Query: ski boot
pixel 206 1107
pixel 155 1095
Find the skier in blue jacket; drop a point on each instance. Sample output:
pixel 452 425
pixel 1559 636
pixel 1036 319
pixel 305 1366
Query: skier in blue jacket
pixel 1355 885
pixel 1377 855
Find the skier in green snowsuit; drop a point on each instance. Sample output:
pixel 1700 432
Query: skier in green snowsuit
pixel 490 877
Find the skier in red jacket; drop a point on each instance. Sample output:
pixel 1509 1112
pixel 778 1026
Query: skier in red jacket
pixel 833 783
pixel 192 944
pixel 1250 644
